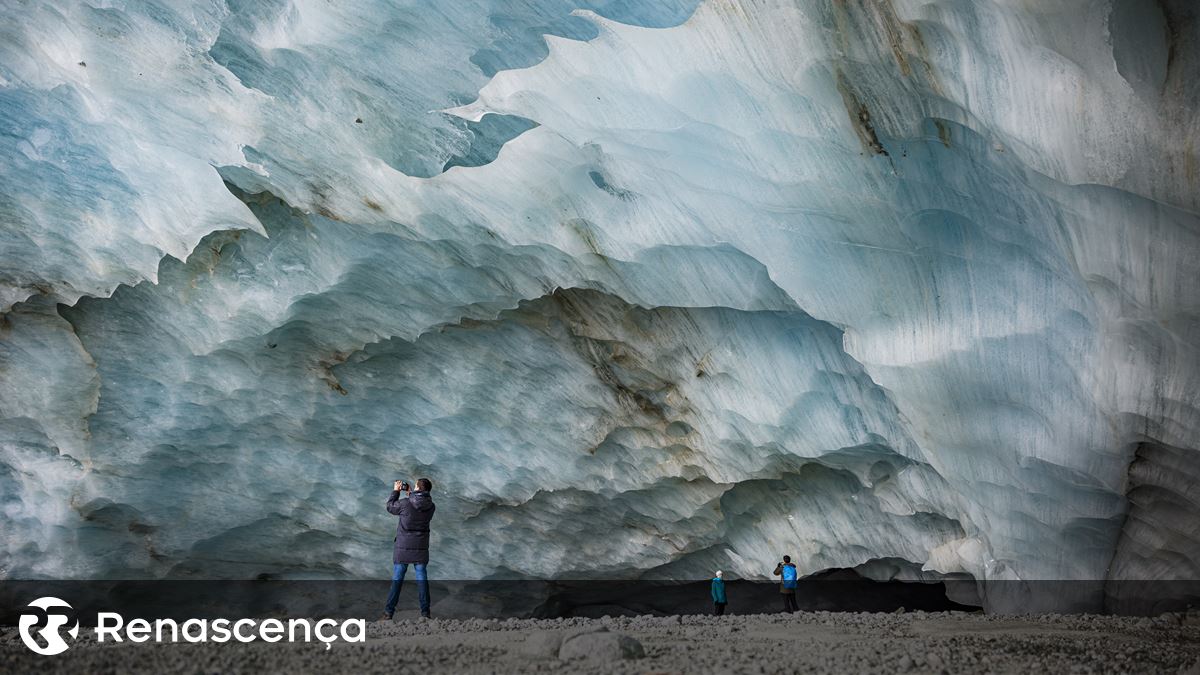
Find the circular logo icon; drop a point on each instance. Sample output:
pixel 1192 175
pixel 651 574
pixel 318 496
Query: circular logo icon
pixel 41 626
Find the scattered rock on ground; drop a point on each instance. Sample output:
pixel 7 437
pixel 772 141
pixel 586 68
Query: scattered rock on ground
pixel 601 646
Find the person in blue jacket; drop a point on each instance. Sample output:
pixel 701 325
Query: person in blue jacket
pixel 786 572
pixel 718 594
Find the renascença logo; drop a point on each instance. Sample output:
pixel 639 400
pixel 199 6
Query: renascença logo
pixel 110 626
pixel 50 632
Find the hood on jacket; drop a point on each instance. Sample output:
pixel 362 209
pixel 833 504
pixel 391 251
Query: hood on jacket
pixel 421 501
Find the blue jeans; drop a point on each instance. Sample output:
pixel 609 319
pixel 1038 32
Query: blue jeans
pixel 398 572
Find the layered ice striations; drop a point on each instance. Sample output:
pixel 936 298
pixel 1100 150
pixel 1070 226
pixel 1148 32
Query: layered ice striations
pixel 647 289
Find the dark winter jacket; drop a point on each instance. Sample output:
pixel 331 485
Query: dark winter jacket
pixel 412 532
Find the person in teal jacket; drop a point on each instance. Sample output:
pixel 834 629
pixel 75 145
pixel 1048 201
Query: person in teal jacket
pixel 718 594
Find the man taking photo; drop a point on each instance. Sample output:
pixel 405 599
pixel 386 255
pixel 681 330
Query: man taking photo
pixel 415 509
pixel 786 572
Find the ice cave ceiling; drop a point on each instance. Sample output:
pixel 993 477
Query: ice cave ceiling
pixel 647 288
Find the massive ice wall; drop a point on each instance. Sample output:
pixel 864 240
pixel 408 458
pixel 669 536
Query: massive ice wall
pixel 647 288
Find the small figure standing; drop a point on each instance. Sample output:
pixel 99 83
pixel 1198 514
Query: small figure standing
pixel 786 571
pixel 411 545
pixel 718 594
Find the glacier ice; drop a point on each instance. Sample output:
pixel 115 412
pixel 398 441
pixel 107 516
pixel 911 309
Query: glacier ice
pixel 647 288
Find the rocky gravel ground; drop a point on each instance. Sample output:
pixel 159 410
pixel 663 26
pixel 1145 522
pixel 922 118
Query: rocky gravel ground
pixel 809 642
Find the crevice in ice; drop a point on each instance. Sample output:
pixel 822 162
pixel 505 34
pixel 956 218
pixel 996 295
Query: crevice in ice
pixel 860 118
pixel 1160 534
pixel 488 135
pixel 1142 44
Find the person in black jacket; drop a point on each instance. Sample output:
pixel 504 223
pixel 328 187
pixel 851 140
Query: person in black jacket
pixel 412 541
